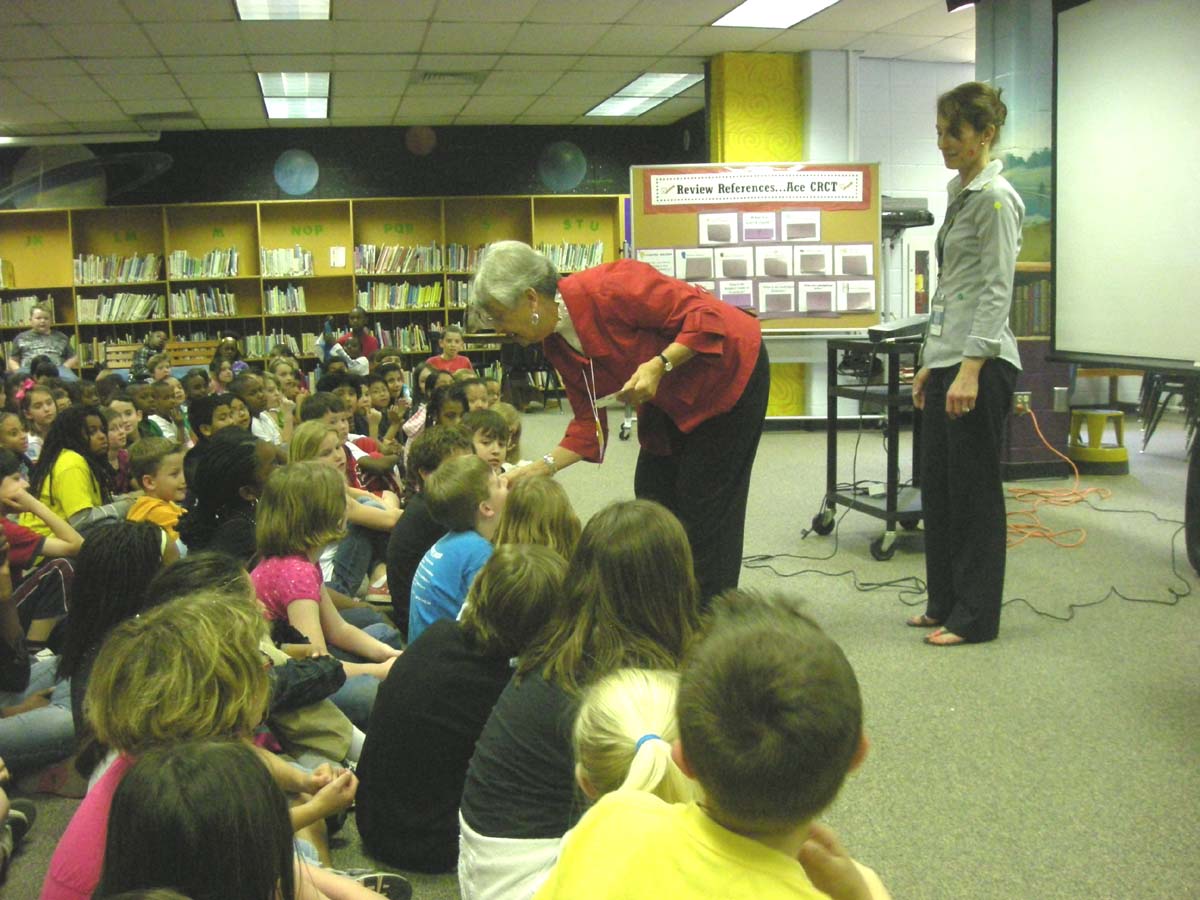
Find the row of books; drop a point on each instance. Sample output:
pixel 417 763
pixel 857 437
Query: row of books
pixel 383 296
pixel 461 258
pixel 459 294
pixel 394 259
pixel 568 257
pixel 15 312
pixel 122 307
pixel 207 301
pixel 214 264
pixel 7 279
pixel 1031 308
pixel 258 346
pixel 279 299
pixel 113 269
pixel 408 338
pixel 285 262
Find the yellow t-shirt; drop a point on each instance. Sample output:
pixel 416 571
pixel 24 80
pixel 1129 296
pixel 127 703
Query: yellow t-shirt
pixel 70 488
pixel 162 513
pixel 633 845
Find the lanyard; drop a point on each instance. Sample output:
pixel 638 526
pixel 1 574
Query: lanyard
pixel 590 387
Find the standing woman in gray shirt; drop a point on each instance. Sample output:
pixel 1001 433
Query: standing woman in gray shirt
pixel 969 368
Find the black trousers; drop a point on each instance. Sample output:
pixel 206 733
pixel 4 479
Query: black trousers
pixel 706 479
pixel 962 498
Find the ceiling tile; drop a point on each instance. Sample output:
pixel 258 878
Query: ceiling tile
pixel 140 87
pixel 378 37
pixel 219 84
pixel 369 84
pixel 102 40
pixel 481 120
pixel 236 124
pixel 28 42
pixel 517 83
pixel 373 62
pixel 711 41
pixel 336 121
pixel 27 114
pixel 156 107
pixel 57 127
pixel 432 119
pixel 955 49
pixel 794 41
pixel 647 39
pixel 292 62
pixel 532 38
pixel 229 108
pixel 15 15
pixel 856 15
pixel 936 21
pixel 491 11
pixel 79 89
pixel 889 46
pixel 374 11
pixel 674 109
pixel 11 94
pixel 603 11
pixel 456 62
pixel 588 84
pixel 430 106
pixel 191 11
pixel 637 64
pixel 451 37
pixel 107 126
pixel 67 11
pixel 119 65
pixel 679 64
pixel 380 109
pixel 563 106
pixel 204 64
pixel 40 68
pixel 525 62
pixel 439 90
pixel 286 37
pixel 606 121
pixel 196 38
pixel 88 110
pixel 681 12
pixel 493 106
pixel 538 120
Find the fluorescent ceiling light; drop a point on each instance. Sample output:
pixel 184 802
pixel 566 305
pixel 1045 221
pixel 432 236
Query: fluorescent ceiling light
pixel 294 84
pixel 297 107
pixel 659 84
pixel 772 13
pixel 625 106
pixel 282 10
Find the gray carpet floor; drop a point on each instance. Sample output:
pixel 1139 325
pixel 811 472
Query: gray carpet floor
pixel 1060 761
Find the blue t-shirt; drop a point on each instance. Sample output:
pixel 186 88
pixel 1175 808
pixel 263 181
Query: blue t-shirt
pixel 441 582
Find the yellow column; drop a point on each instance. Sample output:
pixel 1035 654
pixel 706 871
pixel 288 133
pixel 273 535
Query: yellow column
pixel 756 114
pixel 756 107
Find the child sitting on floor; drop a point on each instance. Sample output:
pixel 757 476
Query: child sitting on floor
pixel 156 465
pixel 467 497
pixel 770 723
pixel 489 435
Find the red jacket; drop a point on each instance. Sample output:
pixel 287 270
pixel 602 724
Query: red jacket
pixel 626 312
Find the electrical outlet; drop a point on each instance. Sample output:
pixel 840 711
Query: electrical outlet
pixel 1020 403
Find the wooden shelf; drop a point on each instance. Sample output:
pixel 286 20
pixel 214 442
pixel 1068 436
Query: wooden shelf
pixel 1033 267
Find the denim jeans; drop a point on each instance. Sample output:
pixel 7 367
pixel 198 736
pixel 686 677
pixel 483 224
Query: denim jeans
pixel 356 697
pixel 40 737
pixel 356 553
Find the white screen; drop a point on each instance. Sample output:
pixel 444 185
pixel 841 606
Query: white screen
pixel 1127 188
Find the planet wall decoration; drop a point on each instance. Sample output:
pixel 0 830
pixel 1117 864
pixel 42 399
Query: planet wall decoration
pixel 562 166
pixel 71 175
pixel 296 172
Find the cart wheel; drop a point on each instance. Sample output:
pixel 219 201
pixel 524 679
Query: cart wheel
pixel 879 553
pixel 822 522
pixel 624 433
pixel 910 524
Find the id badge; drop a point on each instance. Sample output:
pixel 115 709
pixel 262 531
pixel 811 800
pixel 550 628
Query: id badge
pixel 937 316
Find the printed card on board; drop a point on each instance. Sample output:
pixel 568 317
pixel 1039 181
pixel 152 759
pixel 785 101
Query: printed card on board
pixel 718 228
pixel 774 261
pixel 854 259
pixel 759 226
pixel 694 264
pixel 801 224
pixel 663 260
pixel 735 262
pixel 856 296
pixel 816 260
pixel 817 296
pixel 776 297
pixel 738 293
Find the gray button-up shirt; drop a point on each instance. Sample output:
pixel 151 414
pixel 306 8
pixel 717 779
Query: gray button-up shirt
pixel 977 250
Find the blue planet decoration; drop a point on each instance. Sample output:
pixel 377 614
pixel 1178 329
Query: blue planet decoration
pixel 296 172
pixel 562 166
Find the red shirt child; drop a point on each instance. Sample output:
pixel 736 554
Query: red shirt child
pixel 451 358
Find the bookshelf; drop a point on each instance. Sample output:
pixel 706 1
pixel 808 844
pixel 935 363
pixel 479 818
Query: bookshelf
pixel 1032 300
pixel 184 255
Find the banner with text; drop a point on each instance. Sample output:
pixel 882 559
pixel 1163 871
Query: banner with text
pixel 690 188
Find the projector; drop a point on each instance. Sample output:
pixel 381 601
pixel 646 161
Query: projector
pixel 911 328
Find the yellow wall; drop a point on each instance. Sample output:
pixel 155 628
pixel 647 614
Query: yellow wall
pixel 756 107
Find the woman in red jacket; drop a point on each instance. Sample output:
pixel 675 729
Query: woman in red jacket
pixel 696 368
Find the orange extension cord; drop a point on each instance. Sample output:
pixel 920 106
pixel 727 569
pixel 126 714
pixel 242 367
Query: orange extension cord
pixel 1024 524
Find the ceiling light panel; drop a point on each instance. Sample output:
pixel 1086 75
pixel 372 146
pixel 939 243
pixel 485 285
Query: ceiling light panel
pixel 625 106
pixel 282 10
pixel 294 84
pixel 659 84
pixel 772 13
pixel 297 107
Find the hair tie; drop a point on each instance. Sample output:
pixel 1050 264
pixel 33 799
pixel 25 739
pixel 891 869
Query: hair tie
pixel 643 739
pixel 20 392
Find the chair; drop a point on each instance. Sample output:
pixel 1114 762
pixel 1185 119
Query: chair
pixel 187 354
pixel 1094 456
pixel 117 356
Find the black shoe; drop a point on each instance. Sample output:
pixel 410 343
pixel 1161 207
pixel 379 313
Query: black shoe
pixel 21 816
pixel 389 884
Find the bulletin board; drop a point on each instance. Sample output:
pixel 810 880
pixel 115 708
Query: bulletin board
pixel 796 243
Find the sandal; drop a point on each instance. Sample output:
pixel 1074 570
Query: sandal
pixel 922 621
pixel 944 638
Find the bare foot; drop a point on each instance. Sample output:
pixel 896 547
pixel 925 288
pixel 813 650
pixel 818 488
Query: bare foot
pixel 944 638
pixel 922 621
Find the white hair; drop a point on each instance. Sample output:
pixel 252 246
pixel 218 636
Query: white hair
pixel 508 269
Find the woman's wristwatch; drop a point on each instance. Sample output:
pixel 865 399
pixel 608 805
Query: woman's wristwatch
pixel 548 459
pixel 667 367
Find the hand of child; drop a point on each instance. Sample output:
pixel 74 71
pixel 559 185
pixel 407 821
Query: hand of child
pixel 382 668
pixel 830 868
pixel 5 775
pixel 13 494
pixel 338 794
pixel 36 700
pixel 374 417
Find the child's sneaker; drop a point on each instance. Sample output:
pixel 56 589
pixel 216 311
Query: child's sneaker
pixel 389 884
pixel 21 816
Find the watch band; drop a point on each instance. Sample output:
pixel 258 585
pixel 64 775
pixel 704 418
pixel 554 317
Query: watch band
pixel 548 459
pixel 667 367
